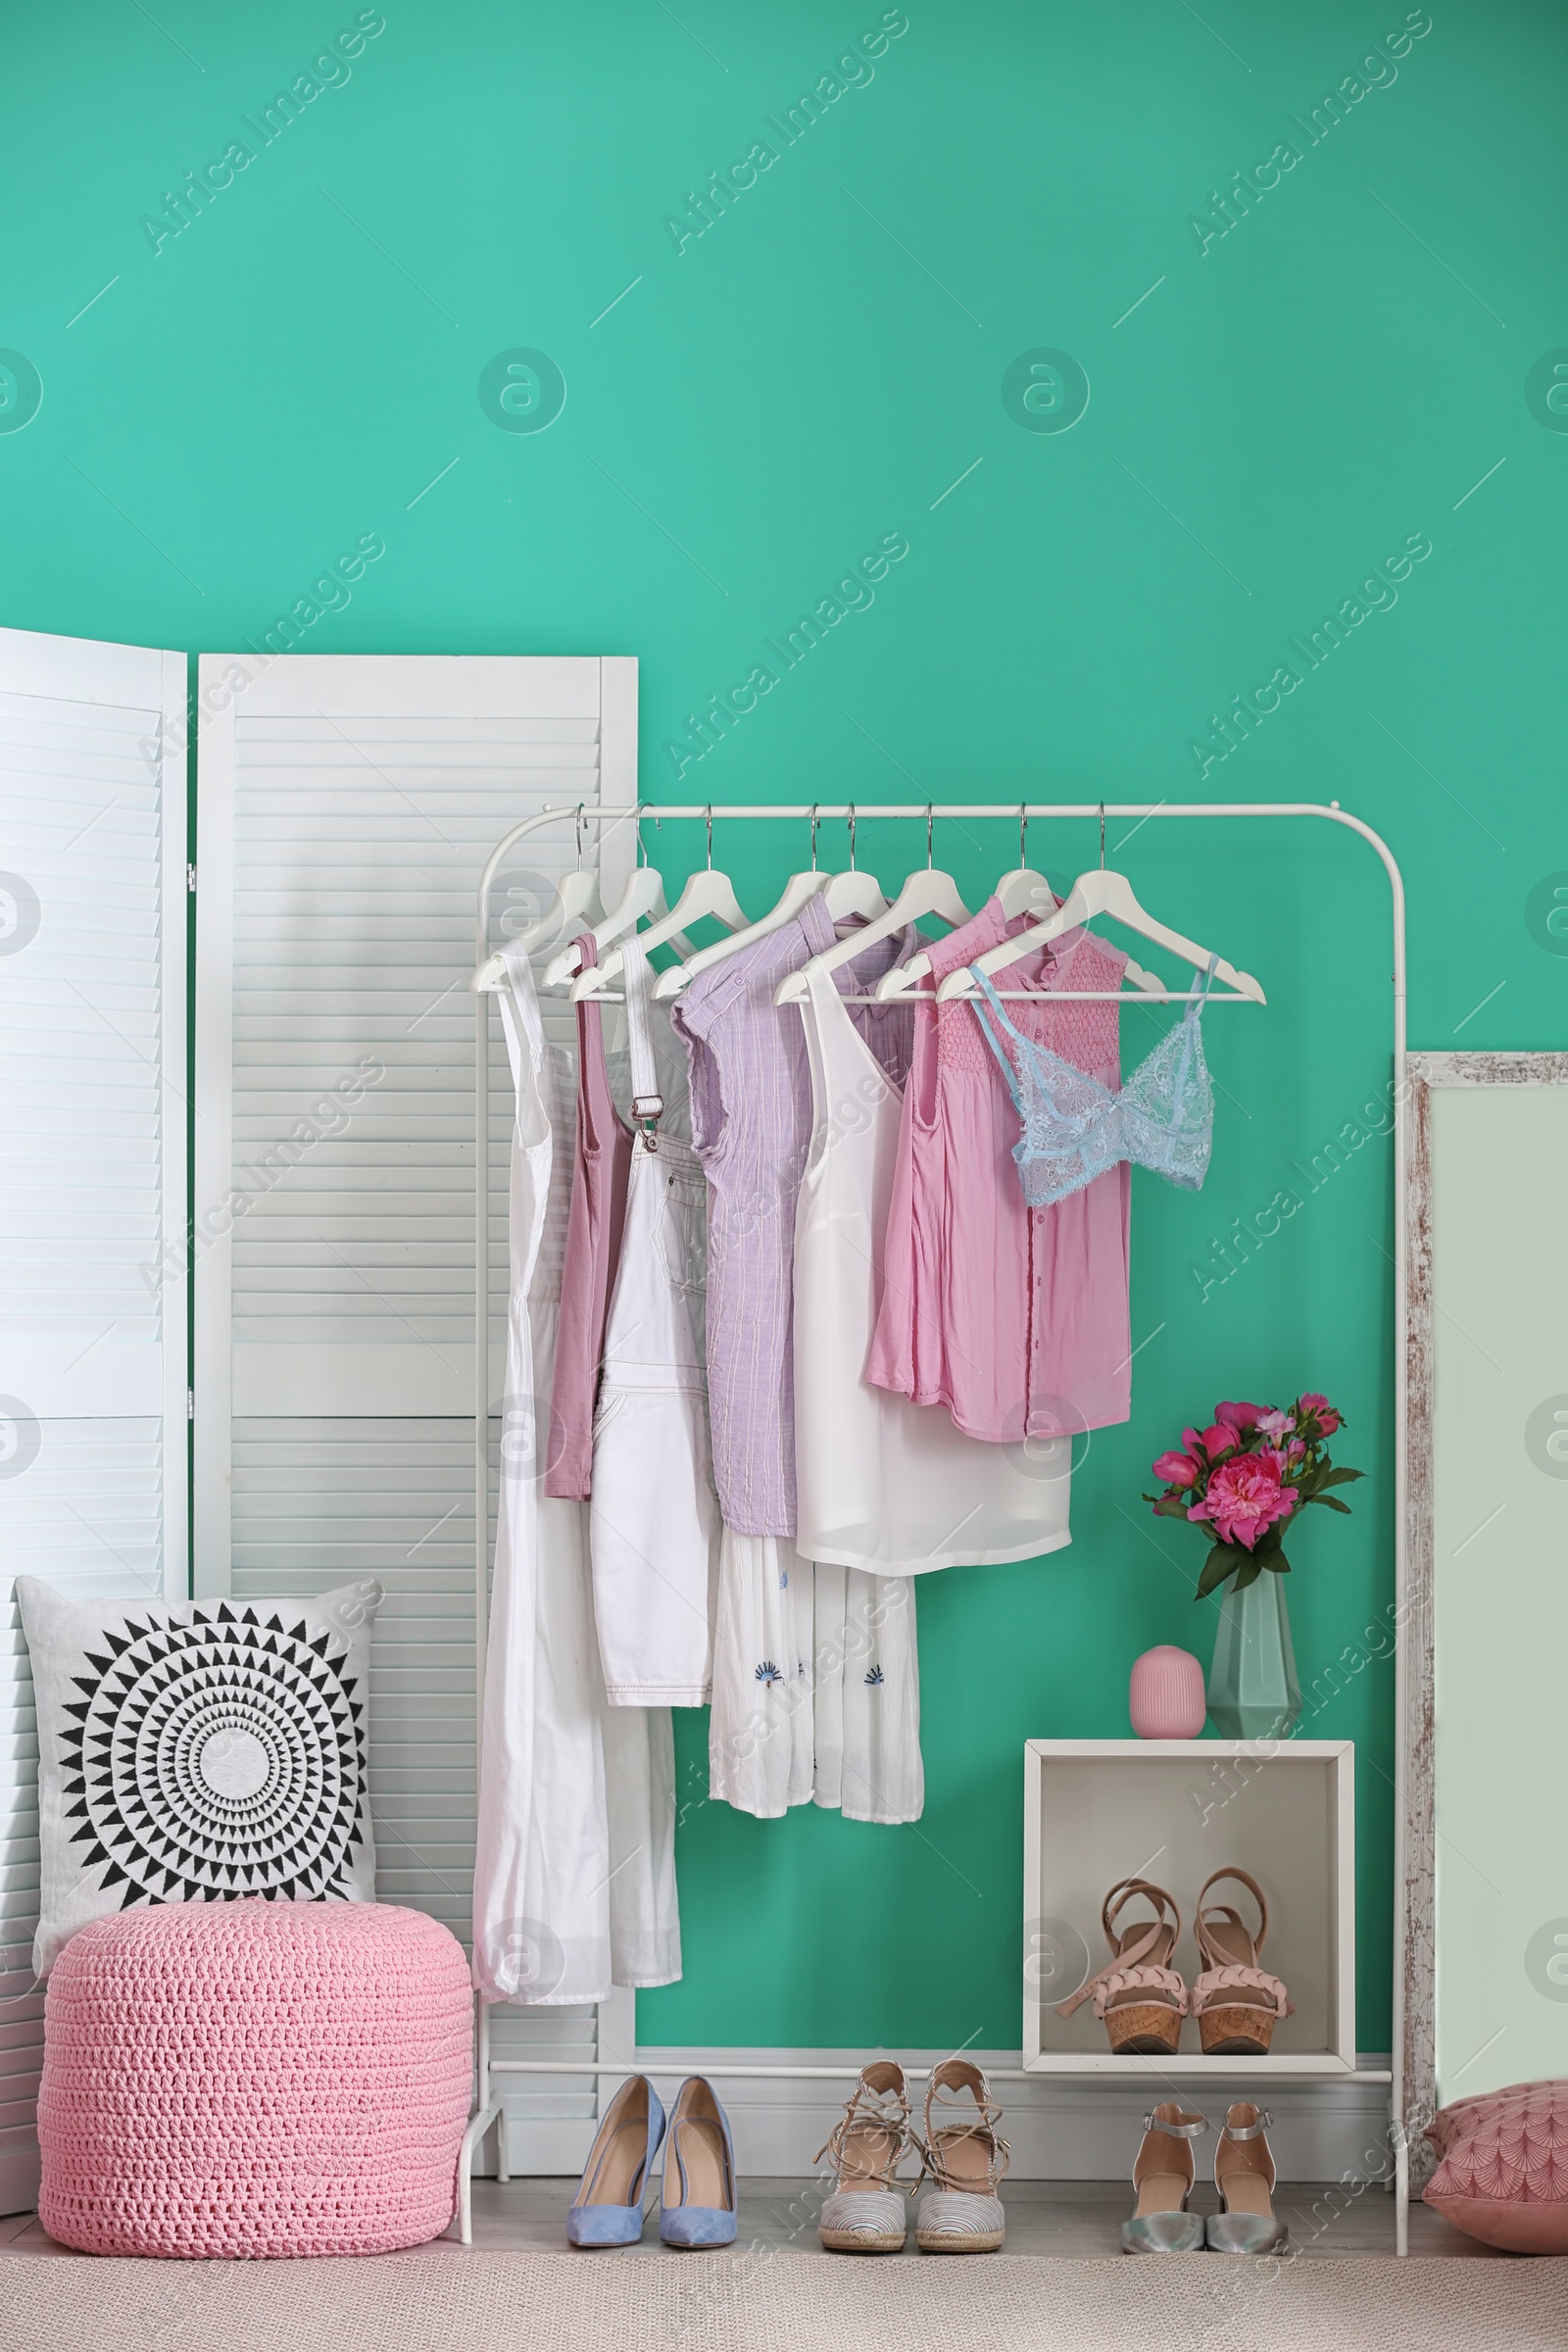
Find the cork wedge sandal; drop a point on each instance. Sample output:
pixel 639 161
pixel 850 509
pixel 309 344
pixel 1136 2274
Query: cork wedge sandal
pixel 1139 1997
pixel 1237 2003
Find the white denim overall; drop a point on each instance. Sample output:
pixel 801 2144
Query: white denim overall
pixel 654 1529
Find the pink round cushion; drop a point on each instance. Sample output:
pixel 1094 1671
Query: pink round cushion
pixel 1503 2178
pixel 254 2079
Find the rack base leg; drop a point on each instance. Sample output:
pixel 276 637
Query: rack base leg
pixel 477 2127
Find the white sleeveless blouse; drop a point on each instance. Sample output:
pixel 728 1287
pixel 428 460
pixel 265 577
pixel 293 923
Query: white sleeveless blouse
pixel 884 1484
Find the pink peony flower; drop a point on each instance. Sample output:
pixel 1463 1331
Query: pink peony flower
pixel 1328 1420
pixel 1245 1498
pixel 1176 1469
pixel 1217 1442
pixel 1240 1416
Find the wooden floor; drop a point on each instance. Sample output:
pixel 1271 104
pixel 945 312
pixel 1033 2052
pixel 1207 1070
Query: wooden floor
pixel 1081 2217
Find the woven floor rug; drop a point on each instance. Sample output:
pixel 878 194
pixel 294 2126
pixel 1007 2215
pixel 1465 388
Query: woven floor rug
pixel 449 2301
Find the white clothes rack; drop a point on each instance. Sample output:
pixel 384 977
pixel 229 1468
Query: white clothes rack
pixel 487 2109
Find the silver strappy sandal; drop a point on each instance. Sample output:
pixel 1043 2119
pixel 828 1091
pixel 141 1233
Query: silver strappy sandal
pixel 1163 2175
pixel 866 2212
pixel 1244 2175
pixel 963 2214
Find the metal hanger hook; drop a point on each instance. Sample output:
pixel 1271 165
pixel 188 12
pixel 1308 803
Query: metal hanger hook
pixel 579 836
pixel 642 845
pixel 1023 834
pixel 852 837
pixel 1101 836
pixel 813 837
pixel 930 816
pixel 708 815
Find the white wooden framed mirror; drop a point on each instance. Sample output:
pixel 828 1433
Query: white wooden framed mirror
pixel 1485 1980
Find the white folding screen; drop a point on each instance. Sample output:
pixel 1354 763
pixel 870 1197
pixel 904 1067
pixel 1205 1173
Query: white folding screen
pixel 346 806
pixel 92 1203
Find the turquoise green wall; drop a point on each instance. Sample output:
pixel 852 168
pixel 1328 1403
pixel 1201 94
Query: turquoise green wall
pixel 1293 401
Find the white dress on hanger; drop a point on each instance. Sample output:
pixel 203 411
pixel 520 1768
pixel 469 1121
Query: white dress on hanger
pixel 575 1873
pixel 760 1737
pixel 884 1484
pixel 817 1687
pixel 653 1513
pixel 867 1699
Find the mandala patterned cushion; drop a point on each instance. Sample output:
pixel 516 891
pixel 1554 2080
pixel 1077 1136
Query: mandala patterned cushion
pixel 254 2079
pixel 1503 2176
pixel 197 1751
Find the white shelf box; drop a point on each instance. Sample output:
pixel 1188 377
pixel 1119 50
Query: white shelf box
pixel 1096 1811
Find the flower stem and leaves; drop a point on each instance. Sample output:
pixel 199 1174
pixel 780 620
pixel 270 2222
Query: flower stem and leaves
pixel 1246 1477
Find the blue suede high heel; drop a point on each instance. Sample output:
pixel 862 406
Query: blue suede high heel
pixel 698 2193
pixel 608 2207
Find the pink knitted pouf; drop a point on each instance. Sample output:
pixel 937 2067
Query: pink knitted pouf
pixel 253 2078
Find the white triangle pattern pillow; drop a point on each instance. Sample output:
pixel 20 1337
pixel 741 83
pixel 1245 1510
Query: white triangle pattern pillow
pixel 197 1751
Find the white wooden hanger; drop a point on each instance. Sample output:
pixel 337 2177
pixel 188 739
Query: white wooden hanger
pixel 842 895
pixel 1101 891
pixel 643 895
pixel 577 901
pixel 851 892
pixel 1019 891
pixel 927 891
pixel 706 892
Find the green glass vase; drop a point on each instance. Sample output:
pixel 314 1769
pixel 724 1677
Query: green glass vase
pixel 1253 1689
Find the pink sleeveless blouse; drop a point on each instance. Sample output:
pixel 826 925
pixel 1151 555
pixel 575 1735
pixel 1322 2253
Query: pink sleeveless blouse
pixel 1013 1318
pixel 601 1166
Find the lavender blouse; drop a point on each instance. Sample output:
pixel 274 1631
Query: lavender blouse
pixel 750 1128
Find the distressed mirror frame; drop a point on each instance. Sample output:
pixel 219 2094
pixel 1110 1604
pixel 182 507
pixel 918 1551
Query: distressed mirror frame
pixel 1415 1988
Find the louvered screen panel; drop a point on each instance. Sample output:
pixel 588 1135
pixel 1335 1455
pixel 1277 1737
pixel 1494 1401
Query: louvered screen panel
pixel 92 1313
pixel 88 1515
pixel 356 856
pixel 82 1237
pixel 346 810
pixel 318 1502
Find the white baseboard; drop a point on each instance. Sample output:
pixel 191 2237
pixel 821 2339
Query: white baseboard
pixel 1085 2129
pixel 18 2177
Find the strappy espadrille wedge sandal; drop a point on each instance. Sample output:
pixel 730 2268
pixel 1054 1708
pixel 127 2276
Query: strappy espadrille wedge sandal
pixel 866 2210
pixel 965 2162
pixel 1139 1997
pixel 1237 2003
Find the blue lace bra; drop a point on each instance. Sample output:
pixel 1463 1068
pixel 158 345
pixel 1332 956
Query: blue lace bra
pixel 1074 1128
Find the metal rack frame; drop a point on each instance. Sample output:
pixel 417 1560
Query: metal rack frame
pixel 487 2111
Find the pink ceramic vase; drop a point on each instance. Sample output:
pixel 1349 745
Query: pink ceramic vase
pixel 1165 1696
